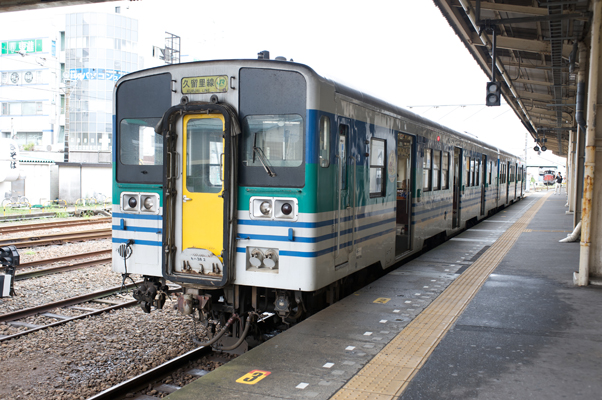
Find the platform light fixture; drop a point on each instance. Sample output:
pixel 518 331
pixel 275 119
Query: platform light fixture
pixel 494 94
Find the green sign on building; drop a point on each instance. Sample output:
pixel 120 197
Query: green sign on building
pixel 18 46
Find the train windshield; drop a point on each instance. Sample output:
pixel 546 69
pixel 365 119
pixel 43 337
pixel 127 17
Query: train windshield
pixel 274 144
pixel 139 144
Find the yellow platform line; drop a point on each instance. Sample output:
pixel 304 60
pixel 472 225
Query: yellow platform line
pixel 388 374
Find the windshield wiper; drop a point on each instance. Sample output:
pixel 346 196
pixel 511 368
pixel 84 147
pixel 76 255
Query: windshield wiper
pixel 262 157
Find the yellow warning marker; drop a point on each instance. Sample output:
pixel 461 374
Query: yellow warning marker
pixel 389 373
pixel 253 377
pixel 381 300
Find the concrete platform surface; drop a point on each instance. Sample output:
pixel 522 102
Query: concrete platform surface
pixel 528 333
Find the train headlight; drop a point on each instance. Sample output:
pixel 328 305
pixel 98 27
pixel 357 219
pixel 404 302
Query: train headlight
pixel 148 203
pixel 286 209
pixel 265 208
pixel 130 202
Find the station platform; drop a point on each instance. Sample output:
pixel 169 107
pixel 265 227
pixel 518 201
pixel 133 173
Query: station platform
pixel 490 314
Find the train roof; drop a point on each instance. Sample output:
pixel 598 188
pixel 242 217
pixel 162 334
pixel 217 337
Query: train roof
pixel 339 88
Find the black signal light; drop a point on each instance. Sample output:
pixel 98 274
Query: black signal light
pixel 494 94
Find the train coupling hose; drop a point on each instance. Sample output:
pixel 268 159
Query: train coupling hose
pixel 244 333
pixel 221 333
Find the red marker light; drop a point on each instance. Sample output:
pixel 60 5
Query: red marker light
pixel 438 138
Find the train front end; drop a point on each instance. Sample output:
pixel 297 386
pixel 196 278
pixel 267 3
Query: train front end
pixel 214 188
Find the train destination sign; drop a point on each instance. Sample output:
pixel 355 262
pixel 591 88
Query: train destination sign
pixel 205 84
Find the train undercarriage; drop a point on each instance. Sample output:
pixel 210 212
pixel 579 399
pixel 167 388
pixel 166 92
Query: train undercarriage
pixel 236 318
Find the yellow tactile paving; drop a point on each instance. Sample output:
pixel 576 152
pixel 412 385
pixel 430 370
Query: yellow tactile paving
pixel 388 374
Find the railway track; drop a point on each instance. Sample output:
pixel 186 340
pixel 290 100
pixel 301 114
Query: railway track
pixel 152 376
pixel 57 238
pixel 62 268
pixel 52 225
pixel 71 303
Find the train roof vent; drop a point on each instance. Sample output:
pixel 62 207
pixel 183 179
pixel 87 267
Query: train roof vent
pixel 263 55
pixel 280 58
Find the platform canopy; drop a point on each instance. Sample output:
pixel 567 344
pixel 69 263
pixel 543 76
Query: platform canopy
pixel 22 5
pixel 536 56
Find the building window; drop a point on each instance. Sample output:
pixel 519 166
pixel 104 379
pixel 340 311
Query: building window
pixel 324 142
pixel 426 170
pixel 377 167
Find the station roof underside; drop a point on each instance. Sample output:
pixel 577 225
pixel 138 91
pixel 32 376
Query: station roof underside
pixel 536 57
pixel 536 54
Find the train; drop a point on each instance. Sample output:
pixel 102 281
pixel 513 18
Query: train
pixel 259 186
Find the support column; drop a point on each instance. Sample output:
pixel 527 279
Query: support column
pixel 569 172
pixel 590 262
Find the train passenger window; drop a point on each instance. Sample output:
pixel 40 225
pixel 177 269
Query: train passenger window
pixel 490 172
pixel 467 180
pixel 472 172
pixel 139 144
pixel 377 167
pixel 436 169
pixel 445 170
pixel 324 142
pixel 427 170
pixel 477 173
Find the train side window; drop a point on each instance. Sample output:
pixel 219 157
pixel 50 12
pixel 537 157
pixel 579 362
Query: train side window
pixel 427 170
pixel 324 142
pixel 436 169
pixel 490 172
pixel 377 167
pixel 472 172
pixel 477 172
pixel 445 171
pixel 467 180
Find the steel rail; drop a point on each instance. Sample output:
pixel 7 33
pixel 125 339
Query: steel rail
pixel 127 304
pixel 140 381
pixel 64 258
pixel 27 312
pixel 61 268
pixel 50 225
pixel 8 241
pixel 57 239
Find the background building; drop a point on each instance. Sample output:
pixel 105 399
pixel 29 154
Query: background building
pixel 57 75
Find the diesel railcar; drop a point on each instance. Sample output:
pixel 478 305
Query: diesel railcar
pixel 258 185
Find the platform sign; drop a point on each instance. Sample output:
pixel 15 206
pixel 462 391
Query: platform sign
pixel 205 84
pixel 253 377
pixel 381 300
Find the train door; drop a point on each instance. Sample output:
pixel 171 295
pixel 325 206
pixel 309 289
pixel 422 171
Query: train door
pixel 343 221
pixel 483 184
pixel 202 193
pixel 516 175
pixel 456 190
pixel 507 179
pixel 405 174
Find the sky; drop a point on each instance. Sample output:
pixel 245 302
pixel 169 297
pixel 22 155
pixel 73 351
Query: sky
pixel 401 51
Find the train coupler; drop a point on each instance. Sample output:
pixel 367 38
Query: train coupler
pixel 150 293
pixel 9 259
